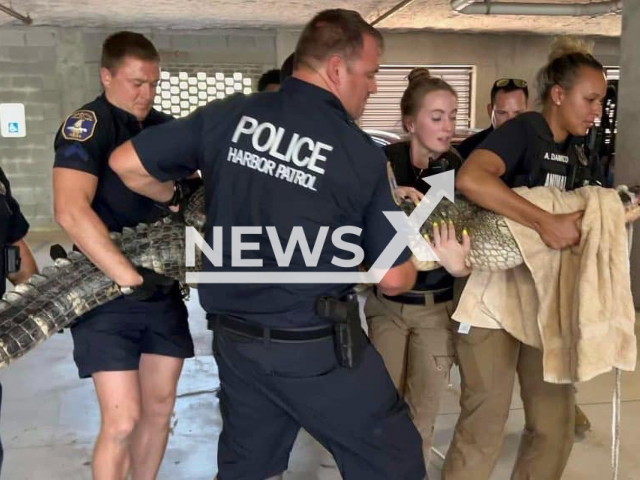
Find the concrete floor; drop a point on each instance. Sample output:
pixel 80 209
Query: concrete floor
pixel 50 419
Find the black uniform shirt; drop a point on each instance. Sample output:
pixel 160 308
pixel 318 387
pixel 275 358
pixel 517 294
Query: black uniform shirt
pixel 85 141
pixel 407 175
pixel 287 159
pixel 532 158
pixel 13 225
pixel 468 145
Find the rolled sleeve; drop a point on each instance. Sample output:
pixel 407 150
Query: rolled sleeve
pixel 171 151
pixel 18 225
pixel 509 142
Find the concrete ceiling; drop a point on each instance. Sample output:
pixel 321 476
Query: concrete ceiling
pixel 197 14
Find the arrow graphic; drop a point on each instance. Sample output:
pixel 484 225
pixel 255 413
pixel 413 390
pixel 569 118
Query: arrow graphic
pixel 407 235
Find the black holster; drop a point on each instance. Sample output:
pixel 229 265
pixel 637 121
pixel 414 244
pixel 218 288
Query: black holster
pixel 11 259
pixel 349 339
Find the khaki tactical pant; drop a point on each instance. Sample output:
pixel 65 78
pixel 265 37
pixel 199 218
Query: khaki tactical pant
pixel 489 360
pixel 415 342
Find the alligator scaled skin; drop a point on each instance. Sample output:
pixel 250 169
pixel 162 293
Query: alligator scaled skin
pixel 492 245
pixel 52 300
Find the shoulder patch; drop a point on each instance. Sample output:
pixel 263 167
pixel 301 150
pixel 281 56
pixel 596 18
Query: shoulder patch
pixel 80 125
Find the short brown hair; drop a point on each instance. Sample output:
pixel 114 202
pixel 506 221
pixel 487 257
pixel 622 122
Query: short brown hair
pixel 127 44
pixel 421 83
pixel 333 32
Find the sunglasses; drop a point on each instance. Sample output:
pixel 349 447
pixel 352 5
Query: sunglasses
pixel 503 82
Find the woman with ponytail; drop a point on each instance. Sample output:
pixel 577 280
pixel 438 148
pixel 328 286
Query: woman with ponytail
pixel 412 331
pixel 533 149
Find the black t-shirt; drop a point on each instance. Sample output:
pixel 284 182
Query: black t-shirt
pixel 85 141
pixel 287 159
pixel 531 157
pixel 407 175
pixel 468 145
pixel 13 225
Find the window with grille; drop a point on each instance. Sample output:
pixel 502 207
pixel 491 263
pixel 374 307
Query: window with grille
pixel 183 88
pixel 383 108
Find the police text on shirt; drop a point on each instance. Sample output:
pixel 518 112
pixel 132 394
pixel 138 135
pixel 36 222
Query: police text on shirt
pixel 273 148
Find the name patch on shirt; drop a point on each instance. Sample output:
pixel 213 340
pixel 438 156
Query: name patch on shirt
pixel 80 125
pixel 273 151
pixel 556 157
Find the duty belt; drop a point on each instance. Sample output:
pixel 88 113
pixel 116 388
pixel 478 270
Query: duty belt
pixel 418 298
pixel 252 330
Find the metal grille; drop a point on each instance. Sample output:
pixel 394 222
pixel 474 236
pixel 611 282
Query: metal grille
pixel 383 108
pixel 183 88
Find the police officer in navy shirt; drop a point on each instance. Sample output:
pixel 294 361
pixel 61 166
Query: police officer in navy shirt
pixel 534 149
pixel 133 349
pixel 509 98
pixel 272 163
pixel 16 261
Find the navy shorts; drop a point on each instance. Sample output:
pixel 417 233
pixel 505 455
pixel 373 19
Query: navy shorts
pixel 113 336
pixel 270 390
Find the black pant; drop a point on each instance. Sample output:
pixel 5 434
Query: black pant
pixel 271 389
pixel 1 451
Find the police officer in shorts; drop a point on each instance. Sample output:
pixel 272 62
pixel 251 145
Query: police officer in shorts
pixel 509 98
pixel 133 347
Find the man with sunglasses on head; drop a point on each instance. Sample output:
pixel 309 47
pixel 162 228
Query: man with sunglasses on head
pixel 509 98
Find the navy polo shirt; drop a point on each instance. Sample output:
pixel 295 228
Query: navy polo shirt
pixel 84 142
pixel 293 161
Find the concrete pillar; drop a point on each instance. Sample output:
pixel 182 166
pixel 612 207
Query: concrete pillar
pixel 627 145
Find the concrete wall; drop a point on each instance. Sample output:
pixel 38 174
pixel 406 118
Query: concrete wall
pixel 54 71
pixel 494 56
pixel 627 152
pixel 29 74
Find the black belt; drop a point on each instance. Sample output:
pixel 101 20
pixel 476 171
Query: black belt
pixel 252 330
pixel 418 298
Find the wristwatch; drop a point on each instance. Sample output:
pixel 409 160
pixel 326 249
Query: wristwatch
pixel 177 196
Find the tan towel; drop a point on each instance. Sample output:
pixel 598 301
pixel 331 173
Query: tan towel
pixel 574 304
